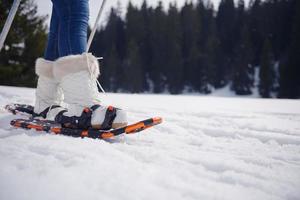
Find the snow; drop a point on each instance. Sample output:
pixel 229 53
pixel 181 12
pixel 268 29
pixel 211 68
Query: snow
pixel 207 148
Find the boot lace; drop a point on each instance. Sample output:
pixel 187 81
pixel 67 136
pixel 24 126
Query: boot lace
pixel 93 74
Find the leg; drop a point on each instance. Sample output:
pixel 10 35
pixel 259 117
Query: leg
pixel 77 75
pixel 77 72
pixel 51 51
pixel 47 91
pixel 73 25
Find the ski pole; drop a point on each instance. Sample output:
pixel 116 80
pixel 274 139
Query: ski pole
pixel 95 27
pixel 8 22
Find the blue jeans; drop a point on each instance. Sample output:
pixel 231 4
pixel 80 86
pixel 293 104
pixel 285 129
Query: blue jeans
pixel 68 28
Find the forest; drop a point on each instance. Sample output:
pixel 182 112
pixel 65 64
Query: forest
pixel 196 48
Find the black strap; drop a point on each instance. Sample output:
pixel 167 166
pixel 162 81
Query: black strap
pixel 81 122
pixel 44 113
pixel 21 108
pixel 110 116
pixel 84 120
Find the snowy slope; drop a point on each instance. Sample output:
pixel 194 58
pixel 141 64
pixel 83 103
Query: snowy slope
pixel 207 148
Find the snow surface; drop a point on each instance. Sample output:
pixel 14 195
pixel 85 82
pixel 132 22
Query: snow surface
pixel 207 148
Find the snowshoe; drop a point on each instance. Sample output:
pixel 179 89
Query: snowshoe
pixel 53 127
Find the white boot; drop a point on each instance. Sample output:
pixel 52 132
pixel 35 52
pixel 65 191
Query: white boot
pixel 78 75
pixel 47 93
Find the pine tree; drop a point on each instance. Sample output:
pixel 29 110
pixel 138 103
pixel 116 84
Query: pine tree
pixel 21 48
pixel 242 81
pixel 208 45
pixel 266 73
pixel 112 75
pixel 225 19
pixel 201 48
pixel 135 36
pixel 134 23
pixel 146 51
pixel 289 75
pixel 134 73
pixel 174 65
pixel 243 69
pixel 190 50
pixel 158 46
pixel 255 28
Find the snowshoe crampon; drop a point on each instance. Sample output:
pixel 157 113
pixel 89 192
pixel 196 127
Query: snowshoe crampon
pixel 52 127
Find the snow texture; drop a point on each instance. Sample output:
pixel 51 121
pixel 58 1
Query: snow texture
pixel 207 148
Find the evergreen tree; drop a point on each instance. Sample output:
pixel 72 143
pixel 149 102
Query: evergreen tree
pixel 174 65
pixel 278 24
pixel 158 45
pixel 99 41
pixel 134 23
pixel 190 49
pixel 112 75
pixel 208 45
pixel 17 58
pixel 146 51
pixel 289 76
pixel 198 47
pixel 135 35
pixel 225 19
pixel 256 28
pixel 266 73
pixel 242 81
pixel 243 69
pixel 134 72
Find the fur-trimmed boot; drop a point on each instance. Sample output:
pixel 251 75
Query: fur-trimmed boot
pixel 48 93
pixel 78 75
